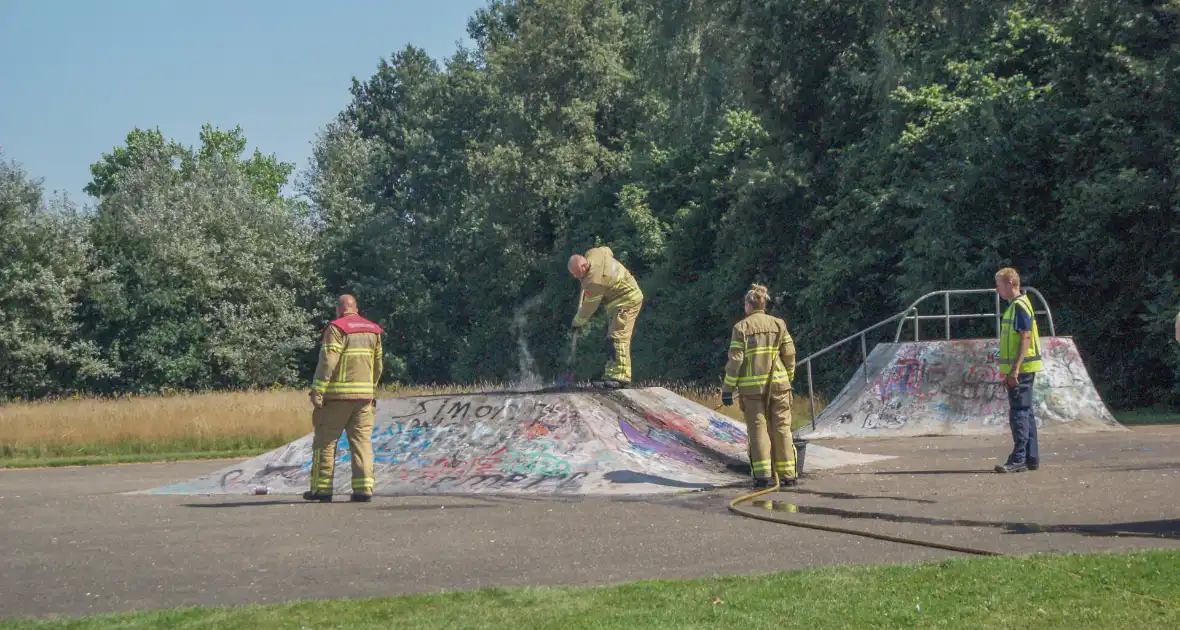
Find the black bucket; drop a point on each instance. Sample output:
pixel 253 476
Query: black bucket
pixel 800 454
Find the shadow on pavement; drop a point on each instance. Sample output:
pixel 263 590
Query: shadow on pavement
pixel 235 504
pixel 1143 529
pixel 627 476
pixel 439 508
pixel 977 471
pixel 1143 467
pixel 849 495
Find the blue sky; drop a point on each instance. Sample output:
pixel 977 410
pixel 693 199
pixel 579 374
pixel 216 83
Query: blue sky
pixel 77 76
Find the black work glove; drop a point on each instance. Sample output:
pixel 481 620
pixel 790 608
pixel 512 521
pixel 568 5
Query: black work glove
pixel 727 398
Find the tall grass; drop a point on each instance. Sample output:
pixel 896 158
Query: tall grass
pixel 185 423
pixel 185 426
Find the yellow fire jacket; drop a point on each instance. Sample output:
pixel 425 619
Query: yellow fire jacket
pixel 758 345
pixel 606 281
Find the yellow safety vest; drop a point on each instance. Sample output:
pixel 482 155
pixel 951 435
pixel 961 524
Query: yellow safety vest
pixel 1010 339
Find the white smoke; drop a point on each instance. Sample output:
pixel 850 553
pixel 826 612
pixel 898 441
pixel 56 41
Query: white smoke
pixel 528 378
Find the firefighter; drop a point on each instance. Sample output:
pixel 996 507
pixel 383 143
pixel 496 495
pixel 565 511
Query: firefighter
pixel 604 279
pixel 344 395
pixel 760 368
pixel 1020 360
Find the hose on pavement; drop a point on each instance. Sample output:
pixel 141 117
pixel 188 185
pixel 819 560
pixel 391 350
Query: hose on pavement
pixel 765 515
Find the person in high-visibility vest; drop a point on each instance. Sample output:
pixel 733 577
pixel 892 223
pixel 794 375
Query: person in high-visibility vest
pixel 1020 360
pixel 605 280
pixel 760 368
pixel 344 394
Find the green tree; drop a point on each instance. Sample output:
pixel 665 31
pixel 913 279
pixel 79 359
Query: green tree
pixel 205 275
pixel 266 173
pixel 43 270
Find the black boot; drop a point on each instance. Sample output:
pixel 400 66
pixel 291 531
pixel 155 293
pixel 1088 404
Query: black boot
pixel 359 497
pixel 762 482
pixel 312 496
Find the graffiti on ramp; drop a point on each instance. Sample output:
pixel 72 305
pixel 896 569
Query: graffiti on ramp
pixel 636 441
pixel 955 388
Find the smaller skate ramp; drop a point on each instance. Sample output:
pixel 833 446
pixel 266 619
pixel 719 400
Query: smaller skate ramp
pixel 955 388
pixel 640 441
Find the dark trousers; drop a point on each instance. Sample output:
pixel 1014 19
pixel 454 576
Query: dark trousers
pixel 1024 425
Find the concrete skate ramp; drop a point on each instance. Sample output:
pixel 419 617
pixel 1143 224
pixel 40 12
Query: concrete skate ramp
pixel 955 388
pixel 626 442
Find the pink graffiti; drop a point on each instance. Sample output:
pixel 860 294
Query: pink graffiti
pixel 664 445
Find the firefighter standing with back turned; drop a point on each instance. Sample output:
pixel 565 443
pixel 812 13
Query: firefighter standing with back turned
pixel 605 279
pixel 760 367
pixel 344 395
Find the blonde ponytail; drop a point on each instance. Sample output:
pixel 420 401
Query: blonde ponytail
pixel 756 297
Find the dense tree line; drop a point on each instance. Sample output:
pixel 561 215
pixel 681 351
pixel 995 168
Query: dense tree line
pixel 851 155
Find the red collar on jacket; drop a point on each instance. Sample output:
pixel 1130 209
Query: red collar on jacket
pixel 354 323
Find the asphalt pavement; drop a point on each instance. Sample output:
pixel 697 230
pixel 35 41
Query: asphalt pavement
pixel 74 545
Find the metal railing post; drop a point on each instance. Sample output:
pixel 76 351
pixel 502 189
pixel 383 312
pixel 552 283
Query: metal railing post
pixel 864 358
pixel 999 314
pixel 1048 311
pixel 811 395
pixel 946 298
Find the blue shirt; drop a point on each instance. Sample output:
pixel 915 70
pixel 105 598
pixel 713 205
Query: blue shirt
pixel 1021 320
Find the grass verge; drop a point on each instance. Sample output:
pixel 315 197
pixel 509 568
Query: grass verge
pixel 1142 417
pixel 1056 591
pixel 126 458
pixel 202 426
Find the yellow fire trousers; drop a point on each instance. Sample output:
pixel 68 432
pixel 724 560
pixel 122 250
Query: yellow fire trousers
pixel 619 331
pixel 777 444
pixel 355 417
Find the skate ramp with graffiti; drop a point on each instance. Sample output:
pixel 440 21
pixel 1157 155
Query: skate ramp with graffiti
pixel 640 441
pixel 955 388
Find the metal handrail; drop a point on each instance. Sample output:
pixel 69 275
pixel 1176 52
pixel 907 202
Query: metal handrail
pixel 911 313
pixel 947 316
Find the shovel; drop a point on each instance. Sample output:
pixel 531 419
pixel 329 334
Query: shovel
pixel 568 377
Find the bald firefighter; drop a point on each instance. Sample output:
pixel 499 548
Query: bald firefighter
pixel 606 280
pixel 760 368
pixel 344 395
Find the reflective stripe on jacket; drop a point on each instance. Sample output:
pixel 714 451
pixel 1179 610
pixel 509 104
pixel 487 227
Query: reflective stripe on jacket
pixel 759 344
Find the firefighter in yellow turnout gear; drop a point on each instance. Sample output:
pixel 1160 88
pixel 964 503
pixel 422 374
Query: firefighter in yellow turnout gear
pixel 344 395
pixel 606 281
pixel 760 368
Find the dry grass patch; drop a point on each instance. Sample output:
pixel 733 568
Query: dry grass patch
pixel 184 423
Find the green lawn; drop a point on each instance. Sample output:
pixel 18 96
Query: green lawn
pixel 1147 416
pixel 124 458
pixel 1055 591
pixel 135 451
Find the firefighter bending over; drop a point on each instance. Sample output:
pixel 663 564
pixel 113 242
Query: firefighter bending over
pixel 344 395
pixel 605 279
pixel 760 368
